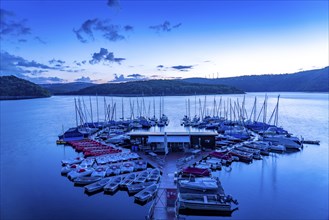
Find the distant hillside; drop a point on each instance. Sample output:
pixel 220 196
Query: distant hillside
pixel 12 87
pixel 63 88
pixel 305 81
pixel 155 88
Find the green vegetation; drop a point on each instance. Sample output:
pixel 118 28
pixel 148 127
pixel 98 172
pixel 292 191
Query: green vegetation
pixel 305 81
pixel 63 88
pixel 156 88
pixel 12 87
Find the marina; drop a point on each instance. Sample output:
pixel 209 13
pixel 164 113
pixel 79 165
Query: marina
pixel 171 166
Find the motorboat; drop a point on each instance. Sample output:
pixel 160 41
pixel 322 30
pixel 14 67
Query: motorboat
pixel 68 168
pixel 140 165
pixel 290 142
pixel 100 171
pixel 196 171
pixel 243 156
pixel 79 172
pixel 200 184
pixel 76 160
pixel 208 202
pixel 127 167
pixel 146 193
pixel 113 169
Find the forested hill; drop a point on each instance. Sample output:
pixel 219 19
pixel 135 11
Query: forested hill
pixel 305 81
pixel 62 88
pixel 12 87
pixel 156 88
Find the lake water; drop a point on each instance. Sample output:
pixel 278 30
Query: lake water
pixel 281 186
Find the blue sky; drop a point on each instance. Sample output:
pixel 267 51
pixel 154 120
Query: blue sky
pixel 101 41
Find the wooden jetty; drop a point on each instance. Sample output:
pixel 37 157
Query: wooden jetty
pixel 163 206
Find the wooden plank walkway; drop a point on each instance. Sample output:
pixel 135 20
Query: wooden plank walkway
pixel 169 165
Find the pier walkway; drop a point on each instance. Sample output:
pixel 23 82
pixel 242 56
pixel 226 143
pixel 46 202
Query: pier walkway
pixel 163 206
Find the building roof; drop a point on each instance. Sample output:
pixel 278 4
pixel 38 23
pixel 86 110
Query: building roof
pixel 170 139
pixel 208 133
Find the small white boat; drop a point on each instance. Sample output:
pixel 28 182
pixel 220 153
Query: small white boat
pixel 97 185
pixel 76 160
pixel 199 184
pixel 79 172
pixel 99 171
pixel 68 168
pixel 154 175
pixel 137 187
pixel 113 184
pixel 277 148
pixel 128 180
pixel 146 193
pixel 214 163
pixel 142 177
pixel 288 141
pixel 85 180
pixel 140 165
pixel 127 167
pixel 113 169
pixel 208 202
pixel 88 162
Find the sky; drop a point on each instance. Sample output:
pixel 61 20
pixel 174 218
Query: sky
pixel 103 41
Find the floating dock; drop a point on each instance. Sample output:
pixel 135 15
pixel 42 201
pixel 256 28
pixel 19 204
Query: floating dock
pixel 163 206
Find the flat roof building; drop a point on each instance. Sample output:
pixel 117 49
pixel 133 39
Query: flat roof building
pixel 173 141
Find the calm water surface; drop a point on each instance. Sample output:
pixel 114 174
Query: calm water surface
pixel 281 186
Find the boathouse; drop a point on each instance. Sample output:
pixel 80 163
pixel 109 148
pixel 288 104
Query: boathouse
pixel 173 141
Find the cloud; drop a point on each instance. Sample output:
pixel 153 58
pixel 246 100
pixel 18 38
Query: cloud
pixel 132 77
pixel 45 80
pixel 128 28
pixel 56 62
pixel 165 27
pixel 113 3
pixel 182 68
pixel 11 27
pixel 136 76
pixel 105 56
pixel 108 31
pixel 84 79
pixel 39 40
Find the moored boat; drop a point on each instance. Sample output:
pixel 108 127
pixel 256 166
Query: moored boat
pixel 127 167
pixel 137 187
pixel 85 180
pixel 99 171
pixel 68 168
pixel 76 160
pixel 113 184
pixel 154 175
pixel 79 172
pixel 142 177
pixel 199 184
pixel 97 185
pixel 208 202
pixel 113 169
pixel 146 193
pixel 128 180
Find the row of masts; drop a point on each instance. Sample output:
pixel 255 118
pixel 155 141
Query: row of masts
pixel 138 108
pixel 231 110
